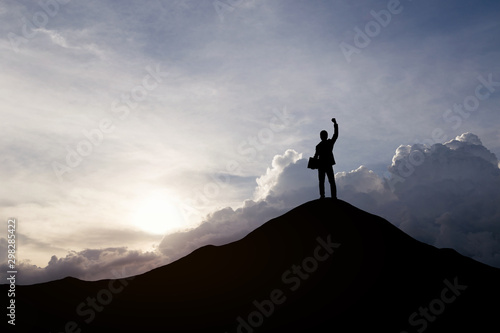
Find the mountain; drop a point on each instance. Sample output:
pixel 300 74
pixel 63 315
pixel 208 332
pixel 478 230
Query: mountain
pixel 323 266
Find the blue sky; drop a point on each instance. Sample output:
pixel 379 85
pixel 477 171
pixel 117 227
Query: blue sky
pixel 124 121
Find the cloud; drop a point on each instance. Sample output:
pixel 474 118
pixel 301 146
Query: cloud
pixel 268 181
pixel 457 159
pixel 55 37
pixel 79 42
pixel 449 196
pixel 89 264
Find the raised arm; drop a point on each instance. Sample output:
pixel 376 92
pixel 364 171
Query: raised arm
pixel 336 130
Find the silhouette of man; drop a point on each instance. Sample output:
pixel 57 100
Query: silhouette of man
pixel 324 152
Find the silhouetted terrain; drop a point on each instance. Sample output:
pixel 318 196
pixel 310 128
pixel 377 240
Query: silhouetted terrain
pixel 324 266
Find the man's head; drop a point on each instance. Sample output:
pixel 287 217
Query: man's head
pixel 323 135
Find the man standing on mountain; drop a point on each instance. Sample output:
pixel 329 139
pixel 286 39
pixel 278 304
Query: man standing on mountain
pixel 324 154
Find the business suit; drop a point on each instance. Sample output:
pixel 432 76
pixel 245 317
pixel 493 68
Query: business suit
pixel 324 153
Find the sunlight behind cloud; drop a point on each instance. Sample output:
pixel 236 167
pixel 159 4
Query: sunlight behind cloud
pixel 157 213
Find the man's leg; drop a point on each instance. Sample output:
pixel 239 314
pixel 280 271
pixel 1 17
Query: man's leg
pixel 321 176
pixel 331 180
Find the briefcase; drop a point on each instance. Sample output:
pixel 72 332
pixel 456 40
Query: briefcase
pixel 313 163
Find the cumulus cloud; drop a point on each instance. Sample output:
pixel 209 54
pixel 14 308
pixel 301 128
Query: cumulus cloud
pixel 449 194
pixel 270 180
pixel 459 159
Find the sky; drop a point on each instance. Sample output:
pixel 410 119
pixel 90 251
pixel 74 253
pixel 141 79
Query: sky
pixel 135 132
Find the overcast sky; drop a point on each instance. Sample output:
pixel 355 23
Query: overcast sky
pixel 124 123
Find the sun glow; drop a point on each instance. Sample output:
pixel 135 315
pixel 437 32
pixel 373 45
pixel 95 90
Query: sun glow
pixel 157 213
